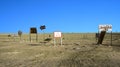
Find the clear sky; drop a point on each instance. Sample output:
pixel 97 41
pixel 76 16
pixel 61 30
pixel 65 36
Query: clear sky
pixel 58 15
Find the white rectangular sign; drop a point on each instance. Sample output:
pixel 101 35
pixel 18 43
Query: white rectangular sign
pixel 57 34
pixel 105 27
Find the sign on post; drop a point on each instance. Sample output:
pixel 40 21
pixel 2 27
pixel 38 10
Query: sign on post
pixel 20 34
pixel 57 35
pixel 104 28
pixel 33 30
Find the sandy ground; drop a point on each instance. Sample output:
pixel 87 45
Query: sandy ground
pixel 70 54
pixel 78 50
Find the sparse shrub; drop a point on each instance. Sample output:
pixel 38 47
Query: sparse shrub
pixel 48 39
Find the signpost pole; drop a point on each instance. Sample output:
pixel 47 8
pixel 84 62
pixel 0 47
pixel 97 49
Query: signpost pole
pixel 36 37
pixel 54 42
pixel 111 38
pixel 44 35
pixel 61 41
pixel 30 37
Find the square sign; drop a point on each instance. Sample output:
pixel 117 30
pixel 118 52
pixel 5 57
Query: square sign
pixel 33 30
pixel 57 34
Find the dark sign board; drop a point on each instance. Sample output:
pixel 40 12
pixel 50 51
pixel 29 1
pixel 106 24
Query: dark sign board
pixel 42 27
pixel 33 30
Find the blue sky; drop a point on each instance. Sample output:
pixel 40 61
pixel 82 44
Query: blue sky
pixel 58 15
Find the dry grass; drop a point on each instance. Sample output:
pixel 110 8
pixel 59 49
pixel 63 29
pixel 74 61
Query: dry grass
pixel 76 51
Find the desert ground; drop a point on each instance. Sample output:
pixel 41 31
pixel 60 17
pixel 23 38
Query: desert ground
pixel 77 50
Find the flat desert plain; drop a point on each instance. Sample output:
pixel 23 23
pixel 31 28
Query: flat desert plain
pixel 77 50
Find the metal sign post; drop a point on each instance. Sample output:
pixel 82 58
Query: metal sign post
pixel 61 41
pixel 33 30
pixel 42 28
pixel 57 35
pixel 111 38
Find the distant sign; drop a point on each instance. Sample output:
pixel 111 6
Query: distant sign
pixel 42 27
pixel 19 33
pixel 33 30
pixel 57 34
pixel 105 27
